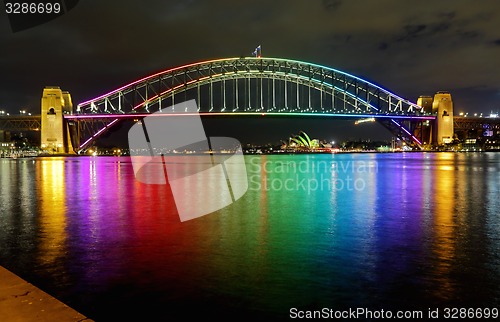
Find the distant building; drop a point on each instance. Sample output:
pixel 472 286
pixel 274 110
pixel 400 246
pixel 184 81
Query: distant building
pixel 302 141
pixel 6 145
pixel 4 136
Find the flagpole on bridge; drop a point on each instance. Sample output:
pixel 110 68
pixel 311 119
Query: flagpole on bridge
pixel 258 52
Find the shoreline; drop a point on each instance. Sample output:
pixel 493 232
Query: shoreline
pixel 199 154
pixel 64 155
pixel 23 301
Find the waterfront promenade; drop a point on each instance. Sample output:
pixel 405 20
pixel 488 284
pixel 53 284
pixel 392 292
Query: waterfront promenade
pixel 21 301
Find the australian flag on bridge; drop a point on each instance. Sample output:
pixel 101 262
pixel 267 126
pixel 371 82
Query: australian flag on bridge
pixel 257 52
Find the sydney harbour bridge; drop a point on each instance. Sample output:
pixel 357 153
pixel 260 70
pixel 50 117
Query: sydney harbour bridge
pixel 244 86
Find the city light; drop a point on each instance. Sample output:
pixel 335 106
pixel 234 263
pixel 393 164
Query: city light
pixel 370 119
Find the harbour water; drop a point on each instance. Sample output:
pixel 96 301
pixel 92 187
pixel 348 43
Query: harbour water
pixel 395 231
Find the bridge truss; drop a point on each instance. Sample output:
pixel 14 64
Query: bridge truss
pixel 466 126
pixel 251 86
pixel 20 123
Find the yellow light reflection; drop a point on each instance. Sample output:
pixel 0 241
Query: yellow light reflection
pixel 53 209
pixel 444 225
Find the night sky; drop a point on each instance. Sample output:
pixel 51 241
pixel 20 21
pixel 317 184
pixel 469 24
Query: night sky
pixel 411 48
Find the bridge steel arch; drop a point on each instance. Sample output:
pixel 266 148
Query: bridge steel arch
pixel 252 86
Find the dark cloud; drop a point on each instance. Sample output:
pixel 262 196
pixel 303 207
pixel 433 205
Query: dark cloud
pixel 331 5
pixel 411 32
pixel 468 34
pixel 440 27
pixel 446 15
pixel 383 46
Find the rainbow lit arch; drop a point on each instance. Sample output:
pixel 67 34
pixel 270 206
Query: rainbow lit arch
pixel 255 86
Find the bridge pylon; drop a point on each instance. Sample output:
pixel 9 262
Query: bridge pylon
pixel 441 130
pixel 55 136
pixel 442 107
pixel 425 130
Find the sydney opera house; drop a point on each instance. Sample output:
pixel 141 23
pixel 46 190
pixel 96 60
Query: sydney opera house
pixel 302 142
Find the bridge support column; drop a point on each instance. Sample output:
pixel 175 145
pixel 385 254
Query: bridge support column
pixel 441 131
pixel 54 131
pixel 427 127
pixel 442 107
